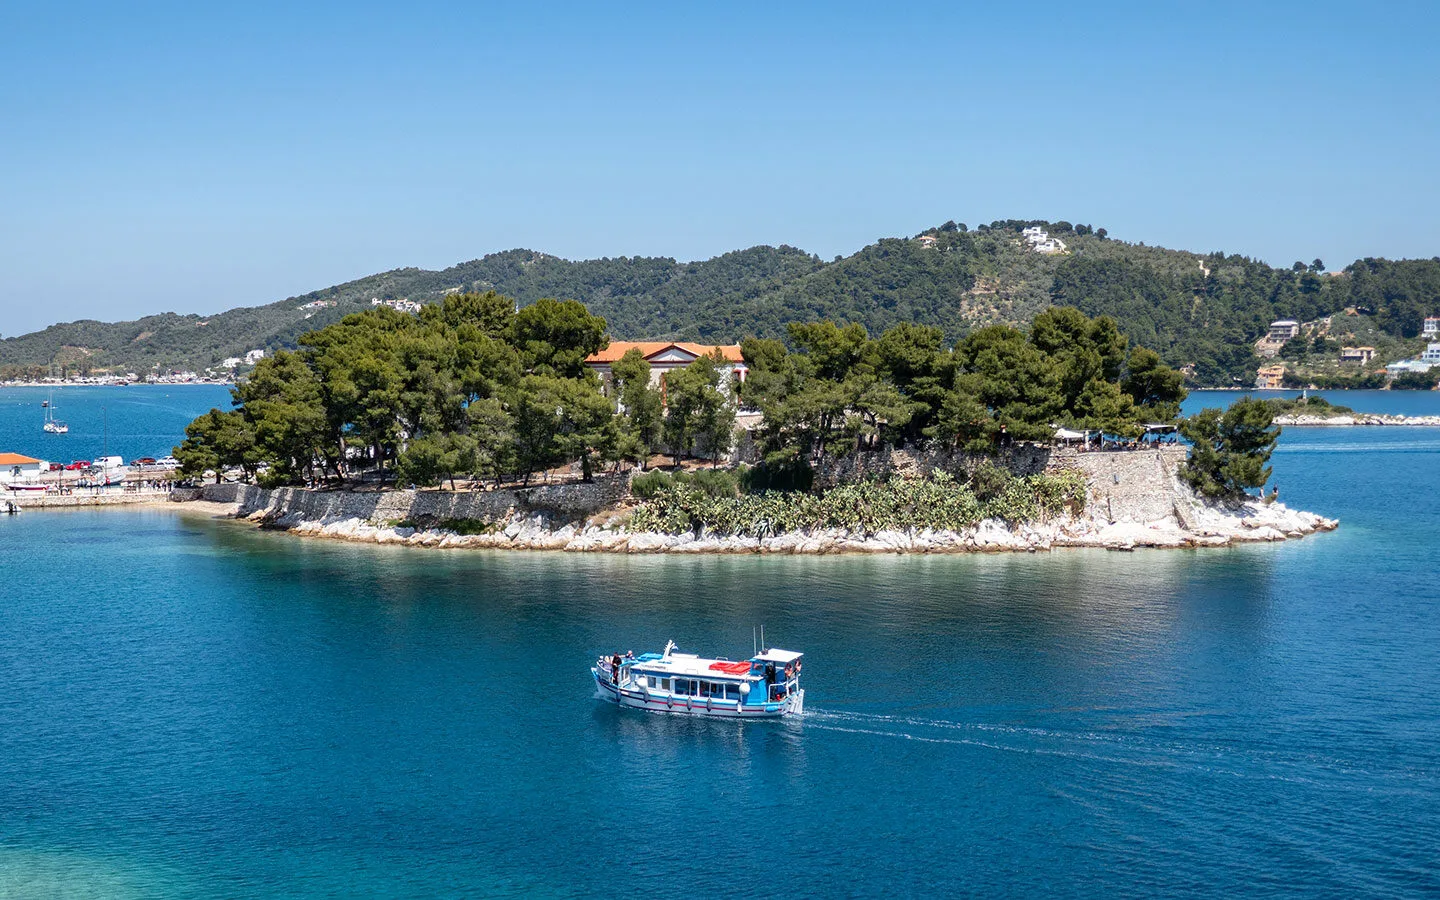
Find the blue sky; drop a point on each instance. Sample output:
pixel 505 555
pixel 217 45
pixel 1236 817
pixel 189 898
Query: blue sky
pixel 182 158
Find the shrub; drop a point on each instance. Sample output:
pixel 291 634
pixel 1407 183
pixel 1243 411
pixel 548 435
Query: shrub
pixel 939 502
pixel 710 482
pixel 989 481
pixel 792 476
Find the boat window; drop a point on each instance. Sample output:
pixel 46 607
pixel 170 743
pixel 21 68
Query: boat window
pixel 650 680
pixel 664 684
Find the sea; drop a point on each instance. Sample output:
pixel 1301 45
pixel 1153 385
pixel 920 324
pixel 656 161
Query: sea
pixel 194 708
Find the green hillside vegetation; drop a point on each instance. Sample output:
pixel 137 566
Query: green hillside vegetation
pixel 639 296
pixel 1202 311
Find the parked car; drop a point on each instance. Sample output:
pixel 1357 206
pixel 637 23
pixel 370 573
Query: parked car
pixel 168 462
pixel 145 461
pixel 78 465
pixel 57 467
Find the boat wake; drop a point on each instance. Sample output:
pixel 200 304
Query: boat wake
pixel 1131 749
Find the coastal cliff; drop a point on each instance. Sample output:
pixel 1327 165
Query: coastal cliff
pixel 1134 499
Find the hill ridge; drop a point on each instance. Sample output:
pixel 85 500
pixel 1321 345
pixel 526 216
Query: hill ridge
pixel 1201 310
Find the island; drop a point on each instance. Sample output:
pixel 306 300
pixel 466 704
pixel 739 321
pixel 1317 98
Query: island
pixel 1317 411
pixel 471 423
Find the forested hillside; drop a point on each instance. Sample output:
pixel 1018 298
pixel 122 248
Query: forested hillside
pixel 1197 309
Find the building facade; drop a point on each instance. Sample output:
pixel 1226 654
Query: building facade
pixel 1270 378
pixel 15 467
pixel 665 357
pixel 1282 330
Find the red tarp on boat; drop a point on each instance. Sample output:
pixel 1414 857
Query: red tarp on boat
pixel 730 668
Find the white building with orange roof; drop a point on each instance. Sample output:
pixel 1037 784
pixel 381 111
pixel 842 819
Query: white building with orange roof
pixel 667 356
pixel 16 468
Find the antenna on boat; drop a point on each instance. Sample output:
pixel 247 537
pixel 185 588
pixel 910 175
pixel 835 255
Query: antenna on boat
pixel 762 634
pixel 753 641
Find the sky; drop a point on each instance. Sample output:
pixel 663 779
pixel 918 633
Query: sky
pixel 197 157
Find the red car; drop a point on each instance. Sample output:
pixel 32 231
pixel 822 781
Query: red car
pixel 77 465
pixel 56 467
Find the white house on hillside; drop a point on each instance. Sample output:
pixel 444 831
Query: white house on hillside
pixel 1282 330
pixel 1428 360
pixel 1040 241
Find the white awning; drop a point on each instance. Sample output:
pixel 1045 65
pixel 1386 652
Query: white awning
pixel 779 656
pixel 1066 434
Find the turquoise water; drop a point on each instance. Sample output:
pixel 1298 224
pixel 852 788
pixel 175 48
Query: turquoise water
pixel 191 708
pixel 131 421
pixel 1394 403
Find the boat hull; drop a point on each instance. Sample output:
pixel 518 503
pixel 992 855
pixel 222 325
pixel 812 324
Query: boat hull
pixel 638 697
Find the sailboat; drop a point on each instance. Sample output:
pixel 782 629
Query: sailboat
pixel 52 424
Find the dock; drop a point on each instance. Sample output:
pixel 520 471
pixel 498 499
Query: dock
pixel 112 496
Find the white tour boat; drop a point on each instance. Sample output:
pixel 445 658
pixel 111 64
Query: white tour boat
pixel 767 685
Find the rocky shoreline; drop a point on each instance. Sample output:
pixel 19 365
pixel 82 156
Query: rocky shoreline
pixel 1207 526
pixel 1305 420
pixel 1133 499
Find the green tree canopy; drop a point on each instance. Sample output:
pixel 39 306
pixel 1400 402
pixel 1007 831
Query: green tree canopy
pixel 1230 450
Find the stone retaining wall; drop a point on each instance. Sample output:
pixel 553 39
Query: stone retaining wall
pixel 913 462
pixel 565 502
pixel 27 500
pixel 1125 485
pixel 1134 485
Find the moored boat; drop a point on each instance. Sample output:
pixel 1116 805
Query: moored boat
pixel 767 685
pixel 52 424
pixel 26 487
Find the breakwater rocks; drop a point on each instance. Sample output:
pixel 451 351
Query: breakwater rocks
pixel 1357 419
pixel 1135 500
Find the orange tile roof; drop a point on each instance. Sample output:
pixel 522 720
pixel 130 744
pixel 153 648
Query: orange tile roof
pixel 617 349
pixel 15 459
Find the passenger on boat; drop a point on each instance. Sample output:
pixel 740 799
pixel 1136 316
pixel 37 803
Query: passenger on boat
pixel 615 669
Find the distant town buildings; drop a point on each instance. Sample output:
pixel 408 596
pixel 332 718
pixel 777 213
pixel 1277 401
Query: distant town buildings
pixel 402 305
pixel 1432 327
pixel 1357 355
pixel 254 356
pixel 317 304
pixel 1423 363
pixel 1270 378
pixel 1041 242
pixel 927 241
